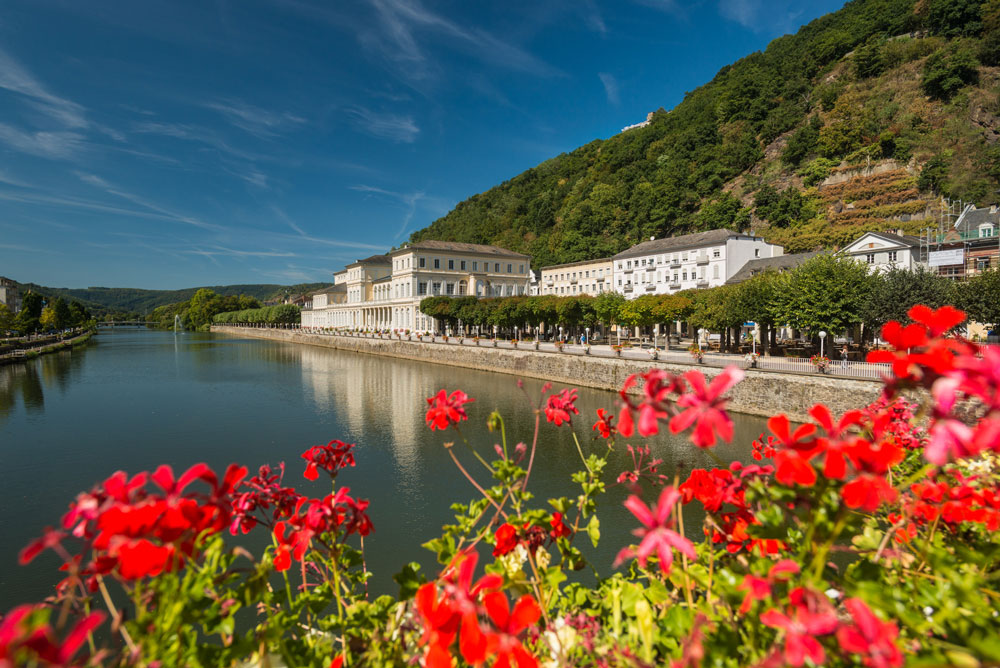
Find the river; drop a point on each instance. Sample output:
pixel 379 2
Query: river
pixel 133 399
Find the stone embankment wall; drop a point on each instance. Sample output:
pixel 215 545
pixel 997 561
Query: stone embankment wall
pixel 761 392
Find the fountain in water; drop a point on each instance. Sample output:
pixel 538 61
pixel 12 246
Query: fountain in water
pixel 177 323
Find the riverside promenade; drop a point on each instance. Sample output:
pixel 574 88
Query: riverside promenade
pixel 763 392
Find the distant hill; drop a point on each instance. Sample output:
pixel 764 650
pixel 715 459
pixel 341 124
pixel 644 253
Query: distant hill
pixel 100 300
pixel 862 120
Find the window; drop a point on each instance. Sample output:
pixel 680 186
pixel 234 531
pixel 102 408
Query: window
pixel 715 271
pixel 496 267
pixel 463 265
pixel 716 253
pixel 892 256
pixel 619 266
pixel 756 252
pixel 437 288
pixel 422 285
pixel 423 262
pixel 449 289
pixel 870 258
pixel 586 274
pixel 985 230
pixel 451 264
pixel 520 269
pixel 982 264
pixel 475 265
pixel 628 265
pixel 437 263
pixel 685 275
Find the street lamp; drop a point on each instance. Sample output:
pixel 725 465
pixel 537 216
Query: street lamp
pixel 560 334
pixel 587 330
pixel 515 333
pixel 822 335
pixel 701 335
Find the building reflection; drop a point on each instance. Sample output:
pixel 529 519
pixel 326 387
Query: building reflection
pixel 28 381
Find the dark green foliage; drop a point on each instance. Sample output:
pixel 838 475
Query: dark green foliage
pixel 869 60
pixel 894 292
pixel 782 209
pixel 955 18
pixel 949 70
pixel 667 178
pixel 726 212
pixel 199 311
pixel 826 292
pixel 979 297
pixel 989 49
pixel 27 318
pixel 280 314
pixel 803 142
pixel 933 174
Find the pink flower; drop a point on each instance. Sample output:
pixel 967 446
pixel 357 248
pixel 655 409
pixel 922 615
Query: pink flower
pixel 706 407
pixel 656 533
pixel 873 639
pixel 804 622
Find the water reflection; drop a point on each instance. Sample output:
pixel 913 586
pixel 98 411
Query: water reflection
pixel 28 381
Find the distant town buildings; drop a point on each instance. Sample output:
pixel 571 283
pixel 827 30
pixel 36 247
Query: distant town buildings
pixel 970 247
pixel 649 119
pixel 588 277
pixel 778 263
pixel 699 260
pixel 9 294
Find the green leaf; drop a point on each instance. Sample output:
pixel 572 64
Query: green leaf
pixel 594 530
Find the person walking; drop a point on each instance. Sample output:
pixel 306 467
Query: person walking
pixel 843 356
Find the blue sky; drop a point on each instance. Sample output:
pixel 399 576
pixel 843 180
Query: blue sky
pixel 169 143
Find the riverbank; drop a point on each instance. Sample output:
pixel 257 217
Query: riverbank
pixel 761 393
pixel 32 353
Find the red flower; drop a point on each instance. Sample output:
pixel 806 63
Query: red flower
pixel 657 386
pixel 869 637
pixel 337 513
pixel 506 540
pixel 937 322
pixel 504 643
pixel 603 424
pixel 706 407
pixel 24 639
pixel 759 589
pixel 807 618
pixel 331 457
pixel 559 407
pixel 445 409
pixel 559 528
pixel 656 533
pixel 713 488
pixel 868 492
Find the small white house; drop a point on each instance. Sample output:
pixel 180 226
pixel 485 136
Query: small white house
pixel 882 251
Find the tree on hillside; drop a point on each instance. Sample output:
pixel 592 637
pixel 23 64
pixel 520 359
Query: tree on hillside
pixel 894 292
pixel 827 292
pixel 952 18
pixel 948 70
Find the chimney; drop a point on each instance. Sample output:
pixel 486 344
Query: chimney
pixel 993 208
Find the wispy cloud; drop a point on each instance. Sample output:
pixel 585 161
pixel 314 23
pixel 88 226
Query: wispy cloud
pixel 759 16
pixel 286 219
pixel 17 79
pixel 385 125
pixel 9 180
pixel 214 251
pixel 411 201
pixel 193 133
pixel 58 145
pixel 610 87
pixel 592 16
pixel 258 122
pixel 669 6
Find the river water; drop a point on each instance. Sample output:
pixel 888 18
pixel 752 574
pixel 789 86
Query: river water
pixel 133 399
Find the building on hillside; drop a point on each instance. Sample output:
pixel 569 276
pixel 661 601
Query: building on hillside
pixel 10 294
pixel 882 251
pixel 384 291
pixel 970 247
pixel 779 263
pixel 535 283
pixel 587 277
pixel 699 260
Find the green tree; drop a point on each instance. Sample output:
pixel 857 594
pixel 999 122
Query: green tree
pixel 63 317
pixel 948 70
pixel 933 175
pixel 802 142
pixel 954 18
pixel 47 321
pixel 607 306
pixel 979 297
pixel 869 60
pixel 827 292
pixel 6 319
pixel 754 300
pixel 31 311
pixel 895 291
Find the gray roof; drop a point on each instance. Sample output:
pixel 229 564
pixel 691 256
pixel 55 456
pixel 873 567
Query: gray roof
pixel 780 263
pixel 682 242
pixel 901 239
pixel 576 264
pixel 972 218
pixel 461 247
pixel 333 289
pixel 374 259
pixel 382 280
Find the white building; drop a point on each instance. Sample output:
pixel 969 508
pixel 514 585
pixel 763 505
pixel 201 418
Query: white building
pixel 587 277
pixel 384 291
pixel 882 251
pixel 699 260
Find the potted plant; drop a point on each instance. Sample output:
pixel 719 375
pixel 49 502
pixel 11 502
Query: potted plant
pixel 513 342
pixel 475 339
pixel 697 353
pixel 536 344
pixel 494 342
pixel 751 360
pixel 559 346
pixel 654 353
pixel 586 349
pixel 821 362
pixel 617 349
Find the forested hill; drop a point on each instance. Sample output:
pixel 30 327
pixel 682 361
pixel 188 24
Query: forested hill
pixel 136 300
pixel 901 94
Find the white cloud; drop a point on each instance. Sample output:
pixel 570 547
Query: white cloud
pixel 255 121
pixel 16 79
pixel 385 125
pixel 744 12
pixel 610 87
pixel 57 144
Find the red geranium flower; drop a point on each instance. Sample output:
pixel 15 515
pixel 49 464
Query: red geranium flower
pixel 656 532
pixel 559 407
pixel 504 644
pixel 559 528
pixel 445 409
pixel 506 540
pixel 705 406
pixel 869 637
pixel 807 618
pixel 603 424
pixel 331 457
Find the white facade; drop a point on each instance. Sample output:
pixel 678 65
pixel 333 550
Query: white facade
pixel 700 260
pixel 384 292
pixel 882 251
pixel 589 277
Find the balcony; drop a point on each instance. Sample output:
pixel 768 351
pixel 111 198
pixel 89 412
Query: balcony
pixel 675 285
pixel 573 281
pixel 629 270
pixel 702 259
pixel 650 287
pixel 675 263
pixel 702 283
pixel 627 288
pixel 599 279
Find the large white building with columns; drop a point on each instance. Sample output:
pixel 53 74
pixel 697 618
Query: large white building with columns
pixel 384 291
